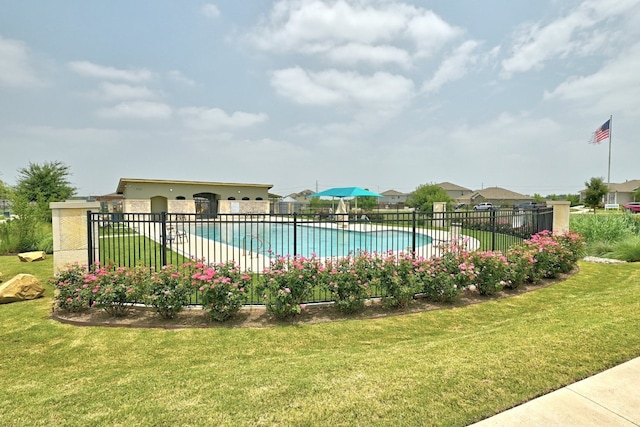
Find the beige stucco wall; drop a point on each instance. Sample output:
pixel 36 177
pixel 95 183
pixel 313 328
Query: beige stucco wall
pixel 69 221
pixel 172 191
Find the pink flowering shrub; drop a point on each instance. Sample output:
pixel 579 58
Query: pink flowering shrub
pixel 555 254
pixel 72 293
pixel 395 276
pixel 288 283
pixel 223 288
pixel 349 280
pixel 445 277
pixel 490 271
pixel 168 290
pixel 115 289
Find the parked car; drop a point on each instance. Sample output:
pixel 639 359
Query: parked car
pixel 633 207
pixel 485 206
pixel 527 205
pixel 459 206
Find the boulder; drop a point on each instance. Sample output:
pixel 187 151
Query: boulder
pixel 21 287
pixel 32 256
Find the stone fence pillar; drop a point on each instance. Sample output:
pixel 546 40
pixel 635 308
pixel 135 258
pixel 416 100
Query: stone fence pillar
pixel 439 214
pixel 70 243
pixel 561 211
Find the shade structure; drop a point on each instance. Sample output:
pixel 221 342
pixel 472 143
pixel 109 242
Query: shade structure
pixel 346 192
pixel 342 192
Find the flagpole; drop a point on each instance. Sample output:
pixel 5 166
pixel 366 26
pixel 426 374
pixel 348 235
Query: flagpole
pixel 609 167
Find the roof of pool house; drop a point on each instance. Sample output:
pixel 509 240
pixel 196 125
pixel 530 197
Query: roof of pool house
pixel 128 181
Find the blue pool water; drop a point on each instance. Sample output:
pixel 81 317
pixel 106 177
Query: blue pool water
pixel 273 239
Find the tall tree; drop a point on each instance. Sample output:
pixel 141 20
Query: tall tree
pixel 42 184
pixel 595 191
pixel 425 195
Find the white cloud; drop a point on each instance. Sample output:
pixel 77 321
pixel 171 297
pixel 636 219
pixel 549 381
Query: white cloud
pixel 335 87
pixel 210 10
pixel 15 69
pixel 214 118
pixel 137 110
pixel 374 31
pixel 179 77
pixel 616 86
pixel 116 91
pixel 453 67
pixel 573 34
pixel 353 53
pixel 89 69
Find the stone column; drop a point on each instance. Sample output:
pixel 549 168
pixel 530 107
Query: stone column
pixel 70 242
pixel 439 210
pixel 561 210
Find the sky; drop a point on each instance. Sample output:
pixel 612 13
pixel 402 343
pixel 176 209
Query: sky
pixel 310 94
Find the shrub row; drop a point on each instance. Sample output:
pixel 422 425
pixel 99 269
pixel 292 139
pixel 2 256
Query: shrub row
pixel 291 281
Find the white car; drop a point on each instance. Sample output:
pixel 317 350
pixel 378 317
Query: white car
pixel 485 206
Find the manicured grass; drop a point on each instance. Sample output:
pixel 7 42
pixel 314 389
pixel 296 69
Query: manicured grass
pixel 447 367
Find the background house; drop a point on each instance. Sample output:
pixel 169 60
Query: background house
pixel 619 193
pixel 455 191
pixel 393 199
pixel 495 195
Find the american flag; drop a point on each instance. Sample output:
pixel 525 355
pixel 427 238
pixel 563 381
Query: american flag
pixel 601 133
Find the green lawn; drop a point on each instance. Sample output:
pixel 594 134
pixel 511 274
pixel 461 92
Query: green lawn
pixel 447 367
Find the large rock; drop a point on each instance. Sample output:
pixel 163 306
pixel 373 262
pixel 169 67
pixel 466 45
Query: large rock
pixel 32 256
pixel 21 287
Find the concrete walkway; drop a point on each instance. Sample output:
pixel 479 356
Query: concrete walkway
pixel 610 398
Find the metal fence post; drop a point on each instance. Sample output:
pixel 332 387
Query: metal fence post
pixel 163 238
pixel 90 259
pixel 295 234
pixel 493 229
pixel 413 233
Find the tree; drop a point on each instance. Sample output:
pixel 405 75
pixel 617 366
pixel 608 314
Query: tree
pixel 425 195
pixel 44 184
pixel 5 191
pixel 367 203
pixel 636 195
pixel 596 189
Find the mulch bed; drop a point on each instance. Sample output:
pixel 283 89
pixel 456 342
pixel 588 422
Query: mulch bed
pixel 258 317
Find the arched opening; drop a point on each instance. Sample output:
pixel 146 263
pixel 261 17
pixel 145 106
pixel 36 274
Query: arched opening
pixel 158 204
pixel 206 204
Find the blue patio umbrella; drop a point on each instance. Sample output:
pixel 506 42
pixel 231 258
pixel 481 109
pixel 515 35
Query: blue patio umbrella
pixel 346 192
pixel 343 192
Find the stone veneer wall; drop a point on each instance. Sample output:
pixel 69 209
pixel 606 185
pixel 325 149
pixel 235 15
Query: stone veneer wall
pixel 70 243
pixel 243 207
pixel 181 206
pixel 136 206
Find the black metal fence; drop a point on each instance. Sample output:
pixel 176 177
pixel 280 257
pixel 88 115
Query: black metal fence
pixel 253 241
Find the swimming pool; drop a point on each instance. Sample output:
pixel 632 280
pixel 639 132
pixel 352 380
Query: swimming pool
pixel 271 239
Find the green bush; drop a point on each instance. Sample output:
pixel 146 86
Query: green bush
pixel 627 249
pixel 605 228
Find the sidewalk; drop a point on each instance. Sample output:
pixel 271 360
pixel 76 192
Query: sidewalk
pixel 610 398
